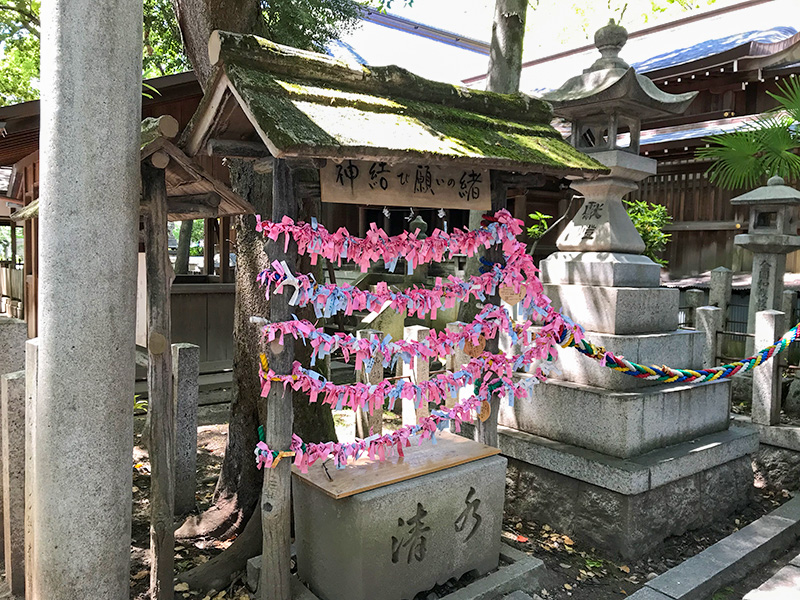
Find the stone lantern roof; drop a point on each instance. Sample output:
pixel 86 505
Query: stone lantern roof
pixel 610 96
pixel 775 192
pixel 611 84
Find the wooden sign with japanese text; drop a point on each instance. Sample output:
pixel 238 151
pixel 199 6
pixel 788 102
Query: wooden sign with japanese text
pixel 405 184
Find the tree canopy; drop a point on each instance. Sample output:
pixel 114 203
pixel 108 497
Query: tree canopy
pixel 308 24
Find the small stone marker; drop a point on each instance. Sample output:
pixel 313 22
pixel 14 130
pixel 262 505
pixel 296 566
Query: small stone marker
pixel 391 541
pixel 185 370
pixel 420 372
pixel 766 377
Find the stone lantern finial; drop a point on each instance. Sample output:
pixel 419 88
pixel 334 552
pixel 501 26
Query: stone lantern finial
pixel 609 40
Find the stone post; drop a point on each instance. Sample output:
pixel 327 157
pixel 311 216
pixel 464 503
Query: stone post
pixel 720 293
pixel 12 409
pixel 370 423
pixel 420 372
pixel 456 360
pixel 13 334
pixel 31 377
pixel 694 300
pixel 709 321
pixel 90 138
pixel 185 371
pixel 788 303
pixel 766 377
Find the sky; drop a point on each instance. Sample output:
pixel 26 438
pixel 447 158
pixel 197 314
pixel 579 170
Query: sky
pixel 553 26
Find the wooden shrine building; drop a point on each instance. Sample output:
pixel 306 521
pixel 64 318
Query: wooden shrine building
pixel 380 136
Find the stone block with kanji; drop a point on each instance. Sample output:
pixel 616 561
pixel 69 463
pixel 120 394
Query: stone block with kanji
pixel 395 541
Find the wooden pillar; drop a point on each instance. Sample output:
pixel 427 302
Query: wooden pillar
pixel 486 431
pixel 159 385
pixel 275 495
pixel 225 250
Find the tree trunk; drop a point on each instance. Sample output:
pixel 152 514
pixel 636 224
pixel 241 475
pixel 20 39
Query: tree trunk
pixel 505 67
pixel 184 243
pixel 198 18
pixel 239 484
pixel 505 54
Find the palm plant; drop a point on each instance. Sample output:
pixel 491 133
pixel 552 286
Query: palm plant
pixel 765 147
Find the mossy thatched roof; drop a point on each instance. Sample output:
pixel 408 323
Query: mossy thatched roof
pixel 308 105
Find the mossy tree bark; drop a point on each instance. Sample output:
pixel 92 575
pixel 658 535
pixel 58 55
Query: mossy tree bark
pixel 198 18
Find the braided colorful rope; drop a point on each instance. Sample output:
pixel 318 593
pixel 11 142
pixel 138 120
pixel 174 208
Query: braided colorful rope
pixel 670 375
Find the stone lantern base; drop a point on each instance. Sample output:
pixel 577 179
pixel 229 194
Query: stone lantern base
pixel 627 507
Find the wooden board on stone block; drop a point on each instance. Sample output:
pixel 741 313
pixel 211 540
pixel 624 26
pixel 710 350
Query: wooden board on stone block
pixel 420 459
pixel 404 184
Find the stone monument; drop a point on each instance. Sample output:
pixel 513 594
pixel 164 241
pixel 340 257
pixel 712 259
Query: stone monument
pixel 387 531
pixel 772 234
pixel 617 462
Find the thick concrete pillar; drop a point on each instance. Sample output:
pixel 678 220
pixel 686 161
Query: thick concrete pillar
pixel 185 372
pixel 766 377
pixel 88 219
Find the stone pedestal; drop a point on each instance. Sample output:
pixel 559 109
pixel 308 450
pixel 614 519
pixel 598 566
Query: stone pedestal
pixel 395 541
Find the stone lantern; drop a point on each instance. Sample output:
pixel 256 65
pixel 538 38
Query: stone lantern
pixel 771 236
pixel 618 461
pixel 604 99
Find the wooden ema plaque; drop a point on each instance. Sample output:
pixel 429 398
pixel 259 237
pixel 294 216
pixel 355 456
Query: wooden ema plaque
pixel 405 184
pixel 420 459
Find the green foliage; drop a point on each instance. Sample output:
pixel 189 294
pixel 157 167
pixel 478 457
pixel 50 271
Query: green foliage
pixel 140 404
pixel 765 147
pixel 5 243
pixel 162 48
pixel 649 220
pixel 309 24
pixel 19 51
pixel 539 227
pixel 723 594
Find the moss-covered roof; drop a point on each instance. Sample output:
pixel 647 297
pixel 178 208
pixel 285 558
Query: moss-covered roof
pixel 309 105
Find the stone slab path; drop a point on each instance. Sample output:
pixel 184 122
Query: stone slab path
pixel 783 585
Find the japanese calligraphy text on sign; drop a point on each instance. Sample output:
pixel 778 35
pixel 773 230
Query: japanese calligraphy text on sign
pixel 405 184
